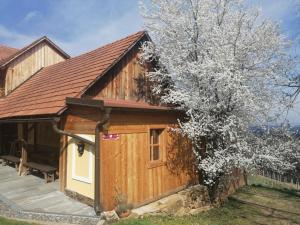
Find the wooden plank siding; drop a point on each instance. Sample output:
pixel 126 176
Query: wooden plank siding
pixel 125 81
pixel 125 167
pixel 81 120
pixel 78 120
pixel 26 65
pixel 43 143
pixel 2 82
pixel 125 163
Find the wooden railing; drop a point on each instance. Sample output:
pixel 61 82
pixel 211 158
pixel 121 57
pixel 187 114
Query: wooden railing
pixel 290 179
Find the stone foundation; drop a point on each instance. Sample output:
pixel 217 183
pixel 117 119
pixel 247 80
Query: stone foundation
pixel 189 201
pixel 192 200
pixel 80 198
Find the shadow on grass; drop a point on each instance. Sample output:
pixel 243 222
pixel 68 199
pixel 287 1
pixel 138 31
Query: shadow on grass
pixel 287 191
pixel 262 214
pixel 233 212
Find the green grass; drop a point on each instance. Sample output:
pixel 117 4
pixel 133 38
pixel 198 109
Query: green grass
pixel 262 202
pixel 4 221
pixel 258 203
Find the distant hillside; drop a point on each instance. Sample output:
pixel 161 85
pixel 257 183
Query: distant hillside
pixel 294 129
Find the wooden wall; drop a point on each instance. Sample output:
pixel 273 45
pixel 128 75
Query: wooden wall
pixel 81 120
pixel 9 133
pixel 43 143
pixel 125 166
pixel 126 80
pixel 45 135
pixel 2 82
pixel 22 68
pixel 78 120
pixel 125 163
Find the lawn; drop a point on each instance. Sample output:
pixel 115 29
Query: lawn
pixel 4 221
pixel 263 202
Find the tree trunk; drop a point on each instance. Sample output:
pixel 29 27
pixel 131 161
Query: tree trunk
pixel 213 189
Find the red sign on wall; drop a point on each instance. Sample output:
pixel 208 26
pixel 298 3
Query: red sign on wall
pixel 110 137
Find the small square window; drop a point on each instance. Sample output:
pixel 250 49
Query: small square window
pixel 155 144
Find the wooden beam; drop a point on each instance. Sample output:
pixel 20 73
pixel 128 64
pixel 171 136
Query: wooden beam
pixel 21 135
pixel 34 136
pixel 85 102
pixel 63 163
pixel 27 120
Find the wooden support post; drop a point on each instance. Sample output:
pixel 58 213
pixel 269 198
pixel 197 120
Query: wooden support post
pixel 34 136
pixel 1 140
pixel 63 161
pixel 24 153
pixel 21 136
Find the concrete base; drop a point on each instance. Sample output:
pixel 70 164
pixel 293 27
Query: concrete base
pixel 28 197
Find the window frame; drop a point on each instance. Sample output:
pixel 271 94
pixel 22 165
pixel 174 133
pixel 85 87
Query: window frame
pixel 161 146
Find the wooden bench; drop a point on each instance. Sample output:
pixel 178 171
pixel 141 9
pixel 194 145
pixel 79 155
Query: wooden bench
pixel 48 171
pixel 11 159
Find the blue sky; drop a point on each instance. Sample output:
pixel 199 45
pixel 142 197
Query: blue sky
pixel 78 26
pixel 81 25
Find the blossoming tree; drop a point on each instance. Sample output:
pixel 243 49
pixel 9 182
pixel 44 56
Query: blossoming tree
pixel 221 63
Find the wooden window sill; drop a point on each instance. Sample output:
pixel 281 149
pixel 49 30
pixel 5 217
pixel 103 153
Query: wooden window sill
pixel 156 164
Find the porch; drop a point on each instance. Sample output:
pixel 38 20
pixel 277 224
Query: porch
pixel 31 193
pixel 32 147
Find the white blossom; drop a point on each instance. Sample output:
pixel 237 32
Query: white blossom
pixel 223 64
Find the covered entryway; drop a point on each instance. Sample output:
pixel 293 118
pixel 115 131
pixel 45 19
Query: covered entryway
pixel 33 145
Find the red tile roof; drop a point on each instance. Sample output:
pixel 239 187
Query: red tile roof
pixel 46 91
pixel 6 52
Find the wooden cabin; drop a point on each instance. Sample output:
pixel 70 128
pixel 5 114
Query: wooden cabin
pixel 93 119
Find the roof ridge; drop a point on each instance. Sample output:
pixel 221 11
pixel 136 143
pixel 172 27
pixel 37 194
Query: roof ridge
pixel 142 32
pixel 139 35
pixel 113 42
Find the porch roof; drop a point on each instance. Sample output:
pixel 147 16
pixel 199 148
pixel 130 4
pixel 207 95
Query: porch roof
pixel 130 104
pixel 46 91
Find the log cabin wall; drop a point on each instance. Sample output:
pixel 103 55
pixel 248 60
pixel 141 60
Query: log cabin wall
pixel 26 65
